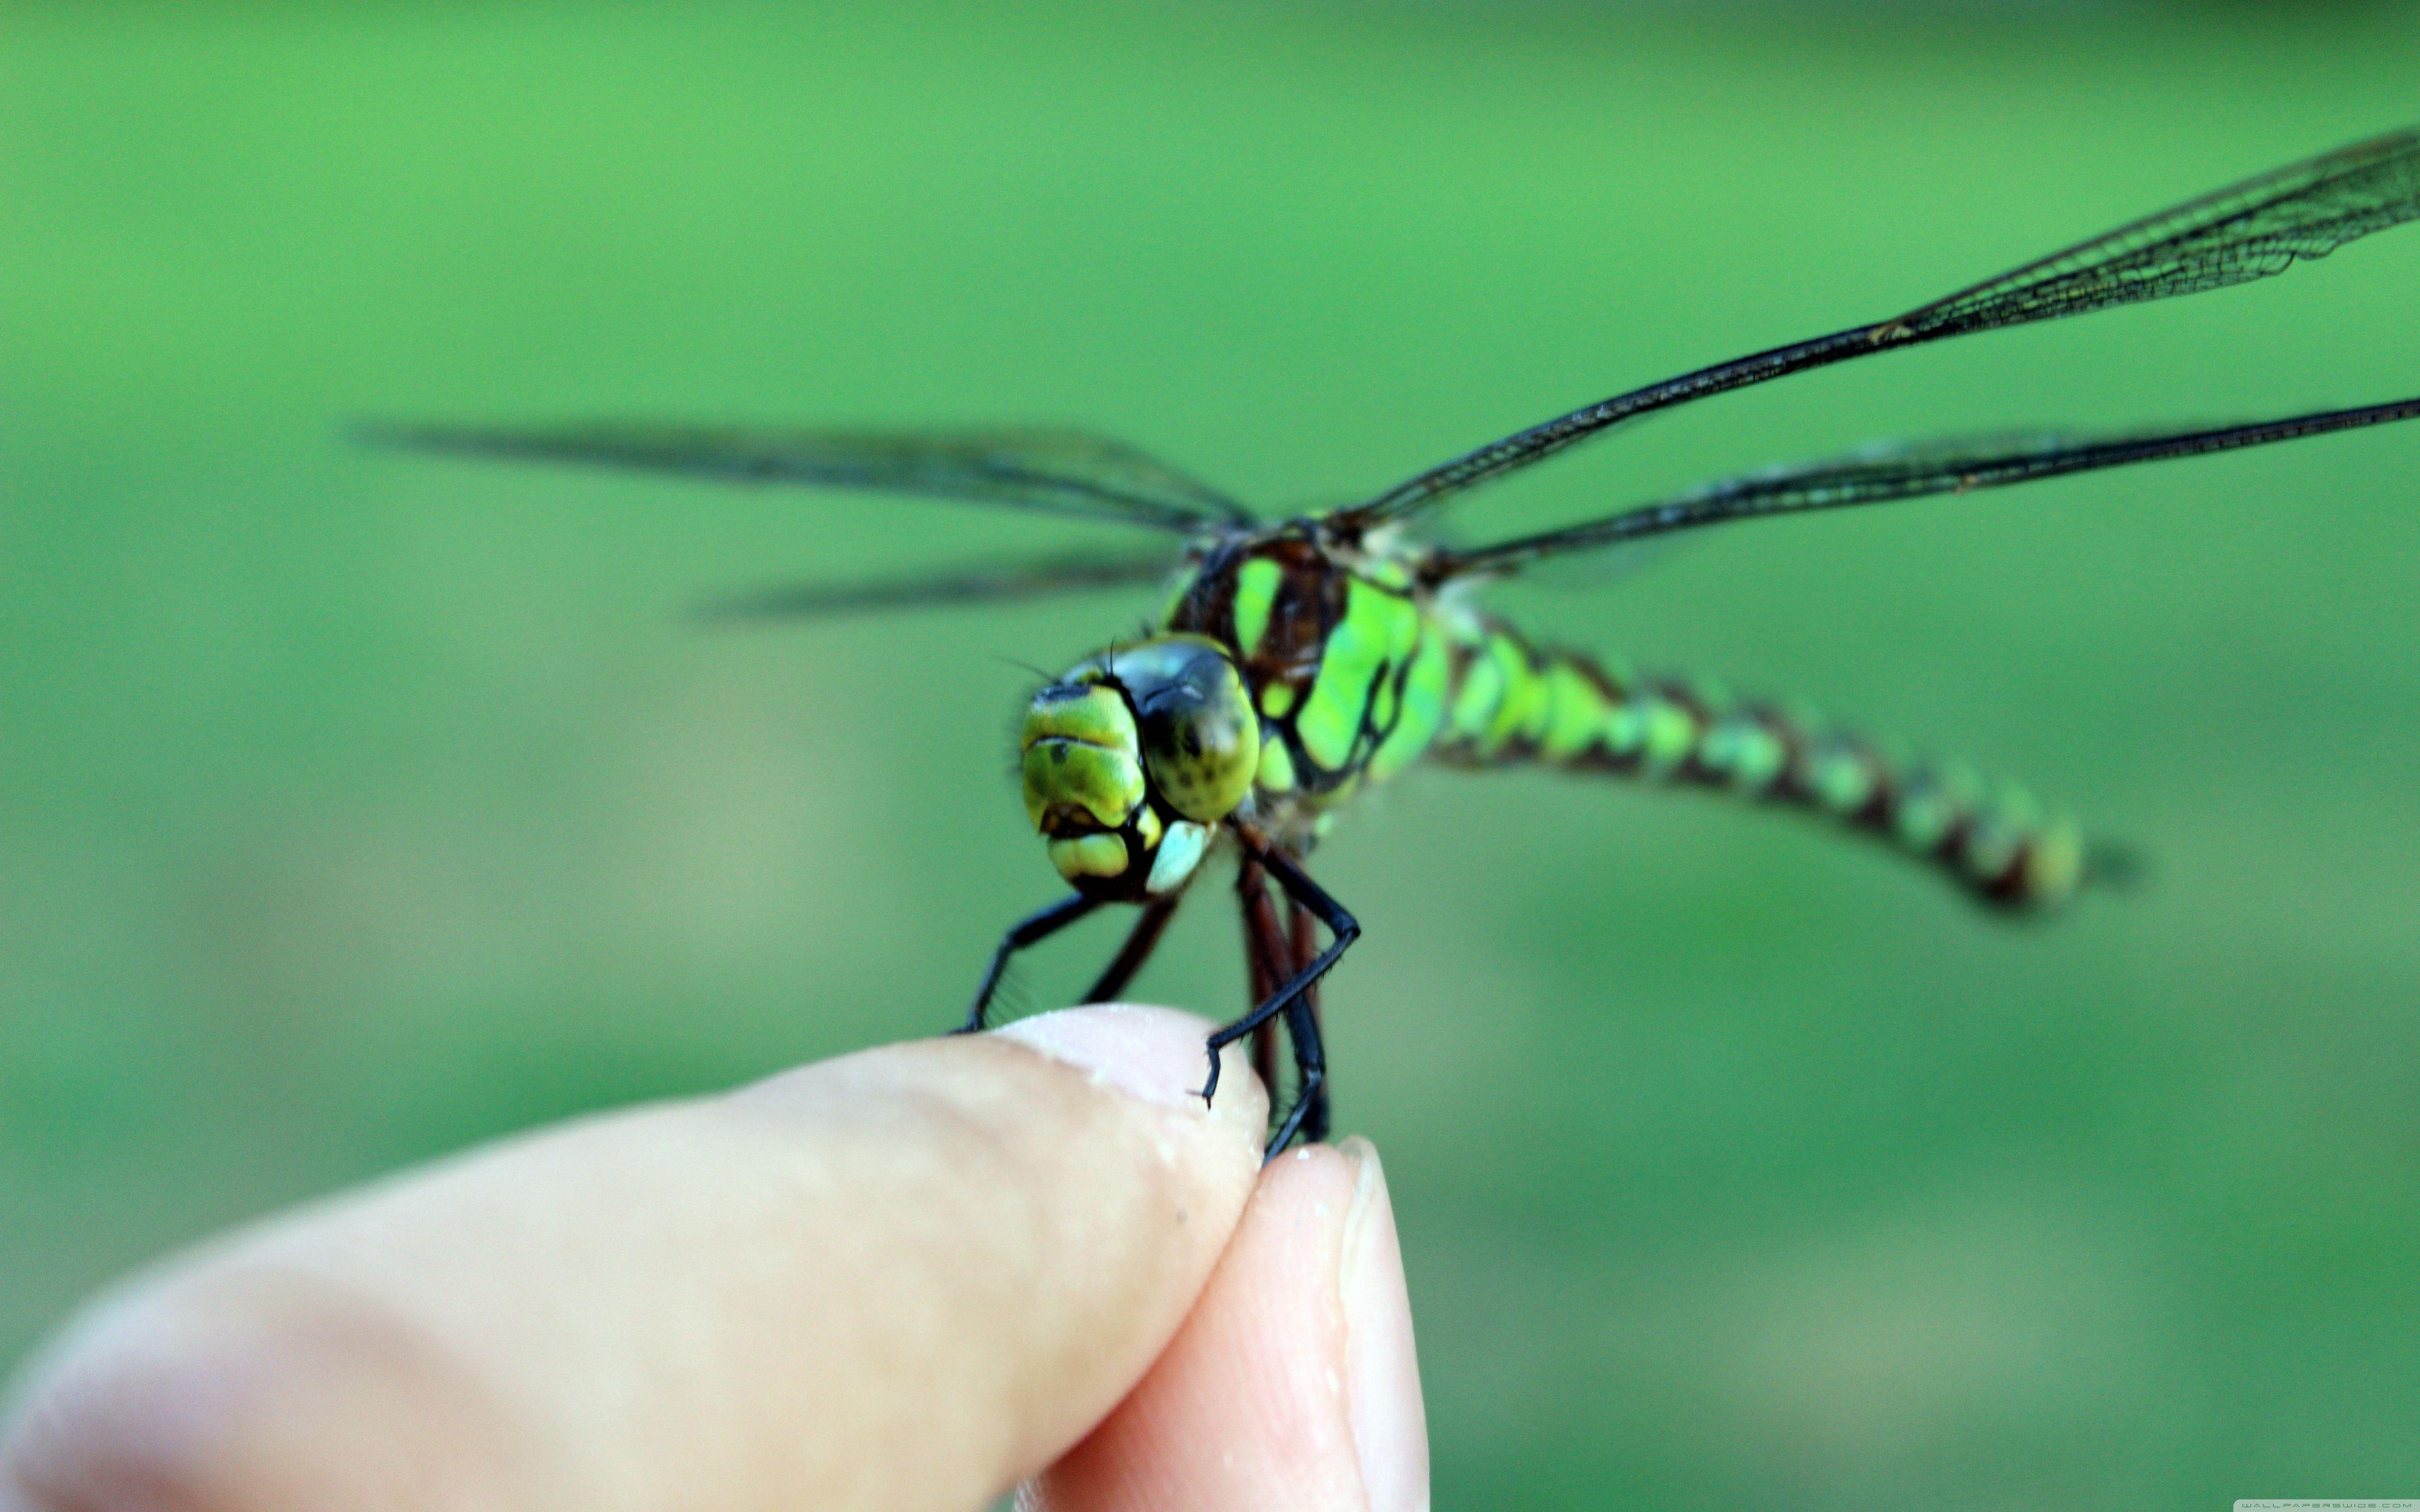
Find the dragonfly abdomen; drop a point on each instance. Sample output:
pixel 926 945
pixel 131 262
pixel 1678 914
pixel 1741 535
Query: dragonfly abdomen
pixel 1512 703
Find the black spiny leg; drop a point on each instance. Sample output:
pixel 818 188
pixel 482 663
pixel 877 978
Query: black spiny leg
pixel 1031 929
pixel 1305 949
pixel 1265 962
pixel 1310 1061
pixel 1140 942
pixel 1309 1111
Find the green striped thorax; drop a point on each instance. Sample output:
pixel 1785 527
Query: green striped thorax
pixel 1131 759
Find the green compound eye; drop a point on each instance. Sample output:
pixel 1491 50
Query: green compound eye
pixel 1201 740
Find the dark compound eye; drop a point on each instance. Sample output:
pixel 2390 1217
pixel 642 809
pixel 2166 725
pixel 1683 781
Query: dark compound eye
pixel 1201 740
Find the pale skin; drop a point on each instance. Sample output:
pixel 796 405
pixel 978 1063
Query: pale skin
pixel 909 1278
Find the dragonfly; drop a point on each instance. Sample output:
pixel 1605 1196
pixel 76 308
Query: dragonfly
pixel 1301 661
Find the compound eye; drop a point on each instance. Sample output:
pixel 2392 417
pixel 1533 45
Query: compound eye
pixel 1201 739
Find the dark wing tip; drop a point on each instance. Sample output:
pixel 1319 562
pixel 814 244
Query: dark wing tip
pixel 425 436
pixel 381 432
pixel 2114 865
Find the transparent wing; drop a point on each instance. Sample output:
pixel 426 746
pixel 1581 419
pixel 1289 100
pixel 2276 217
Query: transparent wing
pixel 2255 229
pixel 1589 572
pixel 1880 474
pixel 1057 472
pixel 961 586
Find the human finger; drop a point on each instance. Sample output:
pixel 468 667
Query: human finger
pixel 1293 1382
pixel 902 1279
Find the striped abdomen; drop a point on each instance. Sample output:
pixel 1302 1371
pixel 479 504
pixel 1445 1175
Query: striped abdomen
pixel 1510 702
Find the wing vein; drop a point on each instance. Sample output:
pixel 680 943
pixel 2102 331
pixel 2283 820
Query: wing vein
pixel 1052 472
pixel 2252 230
pixel 1883 474
pixel 966 585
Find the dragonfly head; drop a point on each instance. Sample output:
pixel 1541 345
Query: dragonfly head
pixel 1133 758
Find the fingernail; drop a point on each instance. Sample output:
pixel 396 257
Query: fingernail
pixel 1151 1053
pixel 1382 1373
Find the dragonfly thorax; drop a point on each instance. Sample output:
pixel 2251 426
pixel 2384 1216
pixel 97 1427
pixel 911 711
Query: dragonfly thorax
pixel 1132 758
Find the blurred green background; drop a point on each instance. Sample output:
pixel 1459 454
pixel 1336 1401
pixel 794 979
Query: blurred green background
pixel 353 807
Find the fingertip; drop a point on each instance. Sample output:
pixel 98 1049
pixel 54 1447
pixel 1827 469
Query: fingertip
pixel 1156 1055
pixel 923 1271
pixel 1293 1382
pixel 1382 1374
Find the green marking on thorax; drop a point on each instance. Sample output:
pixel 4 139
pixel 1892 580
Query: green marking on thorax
pixel 1381 703
pixel 1421 710
pixel 1331 716
pixel 1406 632
pixel 1404 625
pixel 1277 763
pixel 1256 593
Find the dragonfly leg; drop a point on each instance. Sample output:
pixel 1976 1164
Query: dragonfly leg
pixel 1306 948
pixel 1031 929
pixel 1265 1049
pixel 1344 929
pixel 1263 958
pixel 1308 1114
pixel 1140 942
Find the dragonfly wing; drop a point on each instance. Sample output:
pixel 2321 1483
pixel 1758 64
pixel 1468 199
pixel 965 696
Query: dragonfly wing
pixel 964 585
pixel 1880 474
pixel 1588 572
pixel 1057 472
pixel 2252 230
